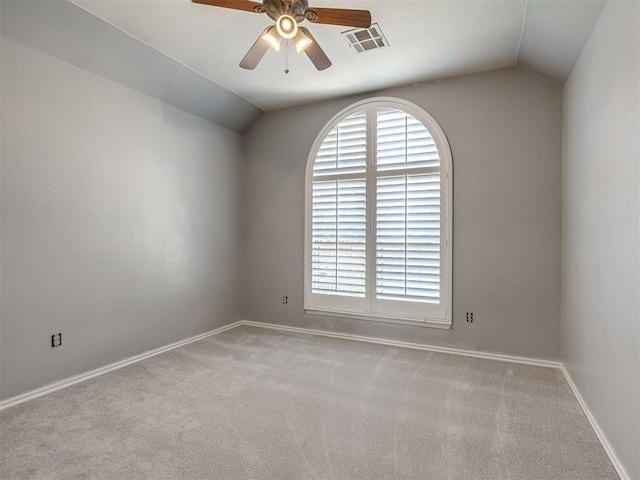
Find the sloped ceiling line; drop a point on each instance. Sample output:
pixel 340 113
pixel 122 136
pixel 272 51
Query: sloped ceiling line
pixel 61 29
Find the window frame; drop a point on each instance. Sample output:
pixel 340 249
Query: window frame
pixel 436 315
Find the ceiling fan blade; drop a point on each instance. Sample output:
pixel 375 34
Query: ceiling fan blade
pixel 339 16
pixel 256 52
pixel 315 53
pixel 244 5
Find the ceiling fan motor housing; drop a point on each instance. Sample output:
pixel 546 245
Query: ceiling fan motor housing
pixel 294 8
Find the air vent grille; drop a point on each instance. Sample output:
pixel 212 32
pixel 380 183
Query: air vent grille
pixel 364 39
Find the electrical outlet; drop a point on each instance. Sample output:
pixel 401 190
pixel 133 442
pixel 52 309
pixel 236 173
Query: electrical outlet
pixel 469 317
pixel 285 300
pixel 56 340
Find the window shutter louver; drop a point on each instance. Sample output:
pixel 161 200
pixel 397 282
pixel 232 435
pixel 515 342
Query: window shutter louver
pixel 344 150
pixel 408 238
pixel 403 142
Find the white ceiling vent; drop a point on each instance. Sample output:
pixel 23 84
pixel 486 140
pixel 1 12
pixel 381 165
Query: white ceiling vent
pixel 365 39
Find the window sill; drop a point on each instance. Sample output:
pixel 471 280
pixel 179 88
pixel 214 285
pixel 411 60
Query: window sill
pixel 414 322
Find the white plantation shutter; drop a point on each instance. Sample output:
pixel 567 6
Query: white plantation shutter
pixel 408 238
pixel 344 150
pixel 339 237
pixel 407 209
pixel 339 226
pixel 403 142
pixel 378 219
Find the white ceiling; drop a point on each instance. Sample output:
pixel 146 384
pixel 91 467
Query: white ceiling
pixel 430 40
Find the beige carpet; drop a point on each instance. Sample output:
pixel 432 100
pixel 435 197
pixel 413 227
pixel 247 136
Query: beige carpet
pixel 253 403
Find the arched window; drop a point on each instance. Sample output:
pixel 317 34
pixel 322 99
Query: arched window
pixel 378 216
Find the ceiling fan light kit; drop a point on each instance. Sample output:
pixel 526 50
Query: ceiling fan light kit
pixel 301 41
pixel 287 14
pixel 272 38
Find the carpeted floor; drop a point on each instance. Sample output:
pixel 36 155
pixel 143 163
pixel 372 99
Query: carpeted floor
pixel 253 403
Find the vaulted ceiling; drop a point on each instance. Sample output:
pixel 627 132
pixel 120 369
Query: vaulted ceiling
pixel 429 40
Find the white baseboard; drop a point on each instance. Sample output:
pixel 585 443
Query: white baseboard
pixel 417 346
pixel 10 402
pixel 615 460
pixel 613 456
pixel 67 382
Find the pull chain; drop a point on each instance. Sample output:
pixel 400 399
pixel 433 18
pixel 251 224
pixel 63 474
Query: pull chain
pixel 286 56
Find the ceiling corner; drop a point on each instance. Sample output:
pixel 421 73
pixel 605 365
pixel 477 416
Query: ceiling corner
pixel 554 34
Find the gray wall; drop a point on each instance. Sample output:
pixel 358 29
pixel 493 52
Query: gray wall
pixel 504 128
pixel 601 243
pixel 121 221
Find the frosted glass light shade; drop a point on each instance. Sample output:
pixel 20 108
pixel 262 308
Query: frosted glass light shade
pixel 301 41
pixel 272 37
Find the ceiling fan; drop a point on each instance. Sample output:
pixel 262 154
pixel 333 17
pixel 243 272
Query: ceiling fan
pixel 288 14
